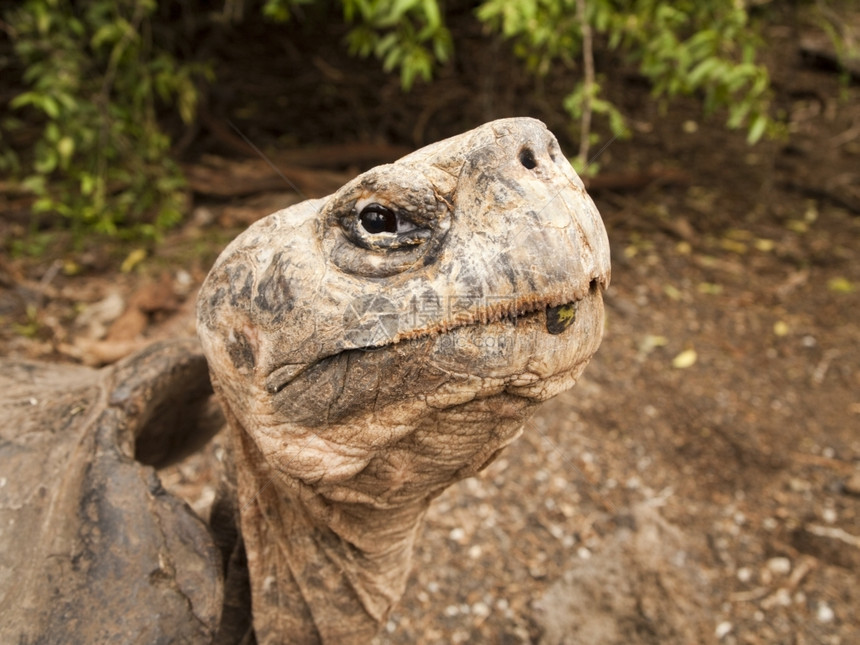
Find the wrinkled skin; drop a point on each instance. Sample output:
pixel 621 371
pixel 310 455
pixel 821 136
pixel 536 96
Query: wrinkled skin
pixel 373 347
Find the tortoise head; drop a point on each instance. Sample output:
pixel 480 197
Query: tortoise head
pixel 471 270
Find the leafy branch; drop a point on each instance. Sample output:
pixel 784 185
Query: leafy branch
pixel 683 48
pixel 98 84
pixel 94 82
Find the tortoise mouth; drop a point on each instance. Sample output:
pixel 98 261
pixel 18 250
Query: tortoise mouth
pixel 560 315
pixel 376 331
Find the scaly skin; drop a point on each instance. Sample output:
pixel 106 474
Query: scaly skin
pixel 374 347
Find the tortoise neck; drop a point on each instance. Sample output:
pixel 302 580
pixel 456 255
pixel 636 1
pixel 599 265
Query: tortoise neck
pixel 320 571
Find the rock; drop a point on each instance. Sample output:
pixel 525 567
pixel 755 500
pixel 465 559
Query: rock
pixel 780 566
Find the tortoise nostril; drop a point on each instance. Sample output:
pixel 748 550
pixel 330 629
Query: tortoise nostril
pixel 527 158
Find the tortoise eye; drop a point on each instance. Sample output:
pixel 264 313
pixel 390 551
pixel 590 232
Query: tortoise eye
pixel 370 225
pixel 376 218
pixel 375 235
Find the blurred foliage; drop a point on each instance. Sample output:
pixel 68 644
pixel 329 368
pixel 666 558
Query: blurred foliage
pixel 844 36
pixel 100 83
pixel 705 47
pixel 683 48
pixel 94 81
pixel 407 36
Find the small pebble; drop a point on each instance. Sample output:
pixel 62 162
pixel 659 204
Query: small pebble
pixel 723 629
pixel 829 515
pixel 537 571
pixel 480 609
pixel 583 553
pixel 799 485
pixel 825 613
pixel 559 483
pixel 782 597
pixel 452 610
pixel 780 566
pixel 457 534
pixel 183 278
pixel 202 216
pixel 568 510
pixel 744 574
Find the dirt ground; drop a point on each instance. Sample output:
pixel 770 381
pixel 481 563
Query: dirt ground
pixel 701 484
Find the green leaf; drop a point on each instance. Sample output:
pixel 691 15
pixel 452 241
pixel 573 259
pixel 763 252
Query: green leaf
pixel 107 34
pixel 38 100
pixel 840 285
pixel 707 69
pixel 738 113
pixel 46 161
pixel 432 14
pixel 400 8
pixel 88 183
pixel 276 10
pixel 65 148
pixel 43 205
pixel 757 128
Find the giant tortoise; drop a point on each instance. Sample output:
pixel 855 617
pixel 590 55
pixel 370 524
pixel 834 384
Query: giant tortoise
pixel 366 350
